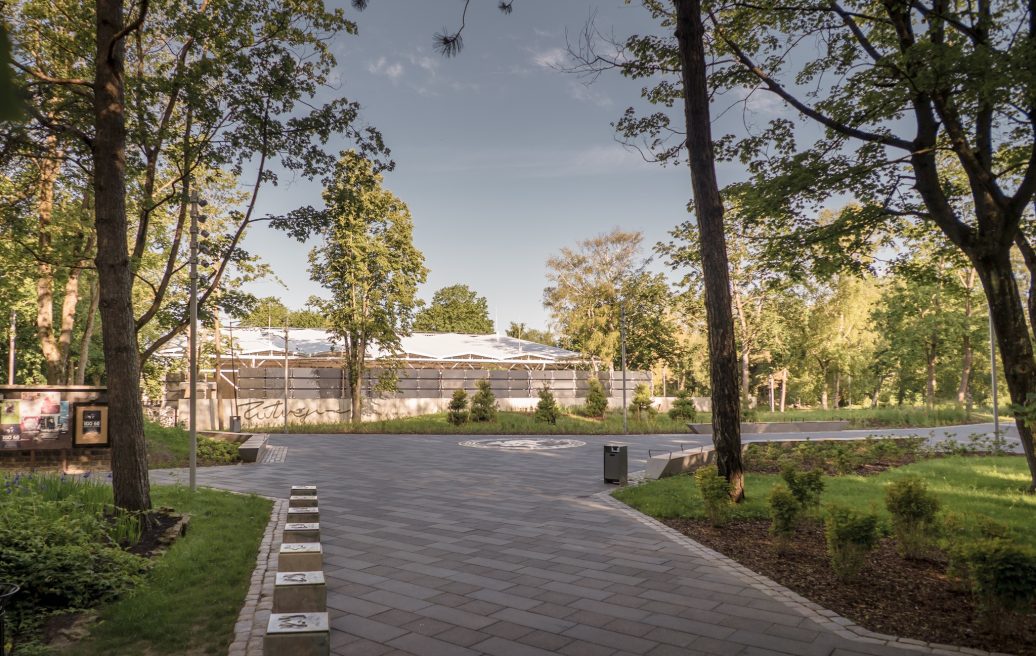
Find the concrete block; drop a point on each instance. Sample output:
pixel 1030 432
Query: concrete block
pixel 305 515
pixel 297 634
pixel 303 490
pixel 304 501
pixel 300 592
pixel 302 532
pixel 300 557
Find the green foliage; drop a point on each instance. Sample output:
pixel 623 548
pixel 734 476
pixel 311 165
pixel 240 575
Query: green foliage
pixel 961 530
pixel 547 409
pixel 216 452
pixel 642 401
pixel 483 404
pixel 715 494
pixel 785 511
pixel 458 408
pixel 272 312
pixel 596 399
pixel 455 309
pixel 521 331
pixel 683 406
pixel 806 487
pixel 850 537
pixel 913 510
pixel 59 541
pixel 1003 578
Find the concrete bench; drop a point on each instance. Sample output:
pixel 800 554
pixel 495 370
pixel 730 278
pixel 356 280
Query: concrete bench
pixel 251 449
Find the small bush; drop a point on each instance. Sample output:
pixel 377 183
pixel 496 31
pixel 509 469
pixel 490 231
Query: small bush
pixel 785 510
pixel 596 400
pixel 715 494
pixel 641 400
pixel 913 510
pixel 805 486
pixel 216 452
pixel 850 536
pixel 483 404
pixel 683 406
pixel 458 408
pixel 547 409
pixel 1003 578
pixel 965 529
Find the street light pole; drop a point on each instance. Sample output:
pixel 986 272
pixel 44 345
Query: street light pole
pixel 196 218
pixel 622 348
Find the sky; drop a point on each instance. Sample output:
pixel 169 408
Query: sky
pixel 501 158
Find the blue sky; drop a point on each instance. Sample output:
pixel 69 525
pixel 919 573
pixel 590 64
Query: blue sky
pixel 501 158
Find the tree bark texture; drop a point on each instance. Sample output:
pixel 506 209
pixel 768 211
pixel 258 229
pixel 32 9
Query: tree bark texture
pixel 88 335
pixel 708 207
pixel 118 326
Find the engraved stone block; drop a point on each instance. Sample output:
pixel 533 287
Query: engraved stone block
pixel 300 592
pixel 297 634
pixel 303 490
pixel 301 532
pixel 304 501
pixel 300 557
pixel 296 515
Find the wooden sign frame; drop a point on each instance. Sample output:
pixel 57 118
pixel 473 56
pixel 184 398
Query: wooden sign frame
pixel 82 439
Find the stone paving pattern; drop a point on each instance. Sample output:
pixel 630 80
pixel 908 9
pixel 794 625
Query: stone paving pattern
pixel 435 549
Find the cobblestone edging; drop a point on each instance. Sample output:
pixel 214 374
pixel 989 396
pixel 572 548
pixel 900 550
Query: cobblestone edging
pixel 251 622
pixel 827 619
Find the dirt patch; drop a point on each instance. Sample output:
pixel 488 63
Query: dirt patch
pixel 911 599
pixel 162 529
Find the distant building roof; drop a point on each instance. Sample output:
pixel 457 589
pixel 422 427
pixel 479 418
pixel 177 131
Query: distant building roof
pixel 416 348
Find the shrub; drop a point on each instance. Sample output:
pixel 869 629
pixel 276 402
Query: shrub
pixel 850 536
pixel 1003 578
pixel 458 408
pixel 596 400
pixel 805 486
pixel 547 409
pixel 715 494
pixel 913 510
pixel 784 515
pixel 966 528
pixel 216 452
pixel 641 400
pixel 683 406
pixel 483 404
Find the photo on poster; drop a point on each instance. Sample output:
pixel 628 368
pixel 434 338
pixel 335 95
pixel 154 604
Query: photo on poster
pixel 91 425
pixel 63 417
pixel 50 403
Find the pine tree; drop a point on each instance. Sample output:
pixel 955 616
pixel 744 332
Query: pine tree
pixel 458 413
pixel 596 400
pixel 483 404
pixel 641 400
pixel 683 406
pixel 547 409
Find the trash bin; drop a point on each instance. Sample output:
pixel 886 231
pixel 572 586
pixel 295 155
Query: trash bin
pixel 616 463
pixel 235 423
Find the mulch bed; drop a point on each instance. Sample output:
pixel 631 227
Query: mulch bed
pixel 164 527
pixel 910 599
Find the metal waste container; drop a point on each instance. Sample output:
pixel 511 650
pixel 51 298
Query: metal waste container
pixel 235 424
pixel 616 463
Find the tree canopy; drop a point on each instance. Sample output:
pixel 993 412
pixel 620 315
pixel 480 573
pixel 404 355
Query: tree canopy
pixel 455 309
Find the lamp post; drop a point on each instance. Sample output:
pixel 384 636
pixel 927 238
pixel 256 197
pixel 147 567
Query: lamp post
pixel 196 218
pixel 622 349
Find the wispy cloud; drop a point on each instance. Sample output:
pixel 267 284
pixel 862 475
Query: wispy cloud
pixel 586 93
pixel 551 58
pixel 382 66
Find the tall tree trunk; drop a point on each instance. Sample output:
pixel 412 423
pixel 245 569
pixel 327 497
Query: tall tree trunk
pixel 218 367
pixel 88 335
pixel 771 393
pixel 930 357
pixel 875 397
pixel 838 389
pixel 118 327
pixel 746 380
pixel 784 387
pixel 1012 337
pixel 49 167
pixel 965 371
pixel 708 208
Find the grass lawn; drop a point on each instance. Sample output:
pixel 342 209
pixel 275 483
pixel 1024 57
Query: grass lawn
pixel 988 486
pixel 169 447
pixel 190 600
pixel 507 423
pixel 894 417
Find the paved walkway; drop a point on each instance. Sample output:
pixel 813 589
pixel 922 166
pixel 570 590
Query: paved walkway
pixel 432 548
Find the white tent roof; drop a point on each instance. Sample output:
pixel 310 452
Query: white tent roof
pixel 419 347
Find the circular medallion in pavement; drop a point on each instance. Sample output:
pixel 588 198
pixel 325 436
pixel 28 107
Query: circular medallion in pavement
pixel 524 444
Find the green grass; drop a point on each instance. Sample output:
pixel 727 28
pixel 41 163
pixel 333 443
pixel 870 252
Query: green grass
pixel 170 447
pixel 190 600
pixel 507 423
pixel 894 417
pixel 986 486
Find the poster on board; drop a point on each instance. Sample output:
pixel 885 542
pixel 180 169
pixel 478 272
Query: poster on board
pixel 41 418
pixel 91 425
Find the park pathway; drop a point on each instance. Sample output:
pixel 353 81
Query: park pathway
pixel 432 548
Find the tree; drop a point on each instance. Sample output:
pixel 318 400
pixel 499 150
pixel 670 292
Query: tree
pixel 596 399
pixel 455 309
pixel 641 402
pixel 272 312
pixel 483 404
pixel 367 261
pixel 520 331
pixel 547 408
pixel 922 91
pixel 683 407
pixel 458 408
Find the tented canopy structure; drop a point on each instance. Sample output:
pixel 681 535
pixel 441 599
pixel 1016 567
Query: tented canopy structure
pixel 314 347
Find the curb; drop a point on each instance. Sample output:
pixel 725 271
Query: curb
pixel 251 621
